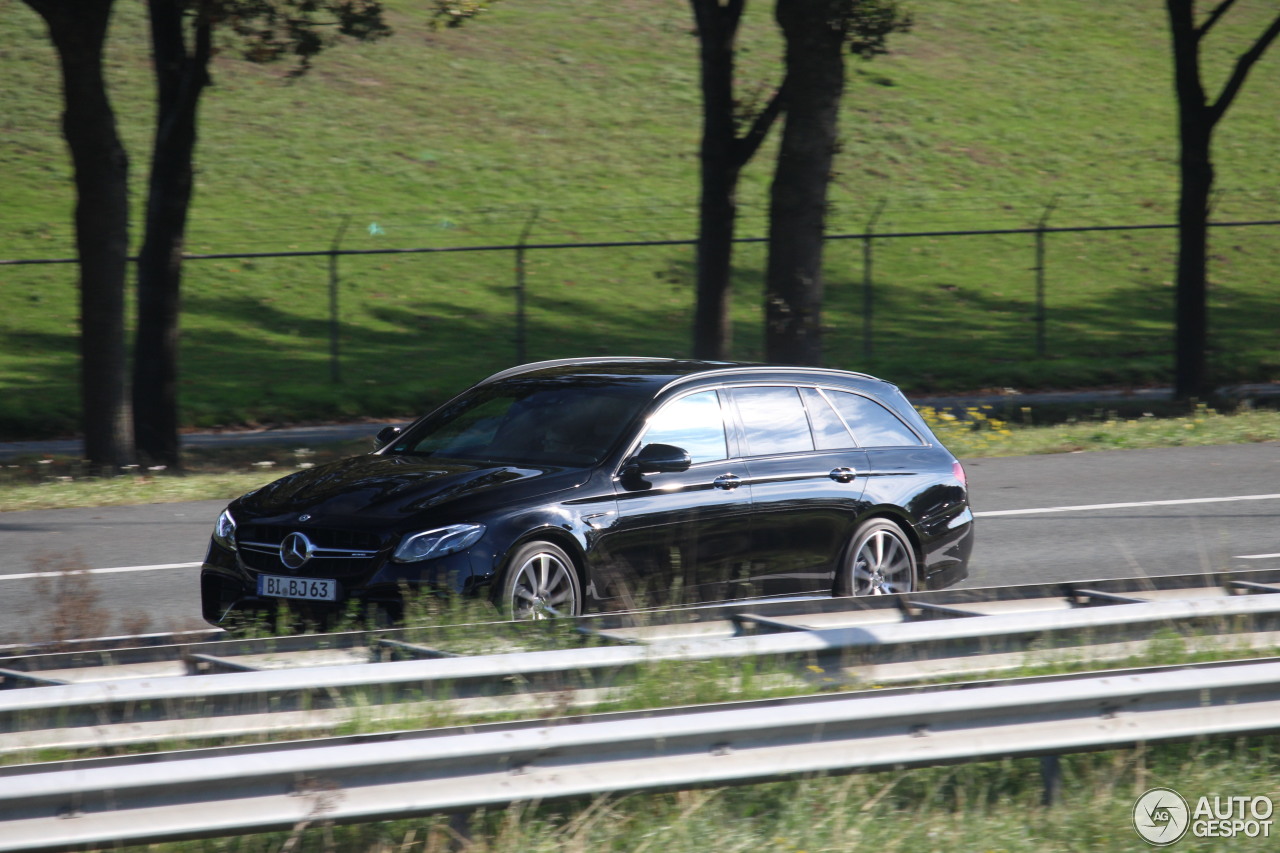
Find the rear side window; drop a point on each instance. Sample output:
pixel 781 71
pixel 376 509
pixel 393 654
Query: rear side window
pixel 694 423
pixel 773 420
pixel 872 424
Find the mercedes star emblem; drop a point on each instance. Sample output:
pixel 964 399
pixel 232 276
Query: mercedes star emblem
pixel 295 550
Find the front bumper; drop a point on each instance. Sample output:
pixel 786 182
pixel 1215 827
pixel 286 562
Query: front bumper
pixel 228 587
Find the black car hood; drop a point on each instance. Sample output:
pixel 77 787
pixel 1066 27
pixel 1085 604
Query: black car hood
pixel 388 487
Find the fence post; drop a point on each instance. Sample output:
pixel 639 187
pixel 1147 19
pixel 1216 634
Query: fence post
pixel 867 300
pixel 1040 315
pixel 521 355
pixel 335 365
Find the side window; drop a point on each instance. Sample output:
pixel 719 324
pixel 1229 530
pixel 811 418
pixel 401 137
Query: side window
pixel 873 425
pixel 829 432
pixel 773 420
pixel 695 423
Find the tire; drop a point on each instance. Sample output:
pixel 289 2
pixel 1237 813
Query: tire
pixel 541 582
pixel 879 561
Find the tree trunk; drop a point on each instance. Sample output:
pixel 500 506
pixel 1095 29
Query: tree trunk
pixel 78 30
pixel 717 208
pixel 1195 129
pixel 1191 379
pixel 798 197
pixel 180 79
pixel 1196 121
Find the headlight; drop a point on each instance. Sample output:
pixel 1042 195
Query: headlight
pixel 224 531
pixel 437 543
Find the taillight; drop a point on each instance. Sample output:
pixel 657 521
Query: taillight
pixel 958 470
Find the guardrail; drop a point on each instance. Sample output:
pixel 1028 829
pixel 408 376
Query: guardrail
pixel 213 793
pixel 835 642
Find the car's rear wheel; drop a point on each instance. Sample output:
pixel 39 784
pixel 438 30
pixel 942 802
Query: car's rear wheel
pixel 541 582
pixel 879 561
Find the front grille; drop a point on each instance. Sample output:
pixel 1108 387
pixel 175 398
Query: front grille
pixel 336 553
pixel 323 537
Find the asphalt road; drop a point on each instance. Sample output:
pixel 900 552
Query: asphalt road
pixel 1127 513
pixel 1041 519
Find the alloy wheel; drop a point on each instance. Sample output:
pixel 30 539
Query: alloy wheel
pixel 542 584
pixel 883 561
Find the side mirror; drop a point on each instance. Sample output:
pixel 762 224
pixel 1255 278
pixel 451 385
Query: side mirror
pixel 659 459
pixel 386 435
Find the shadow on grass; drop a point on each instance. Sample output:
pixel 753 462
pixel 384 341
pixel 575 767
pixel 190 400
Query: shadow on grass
pixel 948 337
pixel 253 354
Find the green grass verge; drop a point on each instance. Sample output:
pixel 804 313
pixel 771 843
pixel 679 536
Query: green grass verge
pixel 587 113
pixel 1011 431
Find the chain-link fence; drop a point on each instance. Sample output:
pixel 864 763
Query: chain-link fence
pixel 428 303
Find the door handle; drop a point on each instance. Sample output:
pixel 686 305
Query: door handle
pixel 843 475
pixel 727 482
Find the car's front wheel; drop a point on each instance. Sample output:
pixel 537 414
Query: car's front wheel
pixel 540 583
pixel 879 561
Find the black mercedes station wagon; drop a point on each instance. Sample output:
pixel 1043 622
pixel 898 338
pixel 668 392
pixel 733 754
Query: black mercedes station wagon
pixel 612 483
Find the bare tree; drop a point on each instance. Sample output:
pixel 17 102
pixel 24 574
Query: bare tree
pixel 1197 118
pixel 817 33
pixel 78 30
pixel 723 155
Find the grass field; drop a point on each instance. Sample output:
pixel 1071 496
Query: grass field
pixel 579 119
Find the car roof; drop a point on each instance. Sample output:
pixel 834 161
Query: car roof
pixel 669 371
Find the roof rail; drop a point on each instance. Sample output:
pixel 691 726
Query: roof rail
pixel 774 368
pixel 728 367
pixel 563 362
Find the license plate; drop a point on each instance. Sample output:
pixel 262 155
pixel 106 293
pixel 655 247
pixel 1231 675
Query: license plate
pixel 311 589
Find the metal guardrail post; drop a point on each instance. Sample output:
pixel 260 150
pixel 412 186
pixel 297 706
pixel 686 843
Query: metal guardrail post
pixel 1051 775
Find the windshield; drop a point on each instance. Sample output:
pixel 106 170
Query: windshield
pixel 569 421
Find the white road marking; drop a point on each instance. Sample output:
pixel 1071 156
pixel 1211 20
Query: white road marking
pixel 986 514
pixel 32 575
pixel 1131 505
pixel 1257 556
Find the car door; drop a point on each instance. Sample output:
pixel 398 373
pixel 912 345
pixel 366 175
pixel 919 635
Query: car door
pixel 679 533
pixel 896 456
pixel 906 471
pixel 807 479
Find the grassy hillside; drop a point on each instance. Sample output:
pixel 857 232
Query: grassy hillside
pixel 582 118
